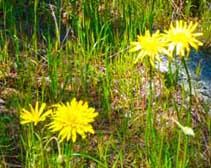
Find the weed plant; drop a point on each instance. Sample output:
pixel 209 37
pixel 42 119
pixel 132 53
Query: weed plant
pixel 54 51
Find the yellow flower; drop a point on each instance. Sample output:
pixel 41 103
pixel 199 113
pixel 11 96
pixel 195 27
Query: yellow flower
pixel 150 46
pixel 34 115
pixel 181 38
pixel 72 119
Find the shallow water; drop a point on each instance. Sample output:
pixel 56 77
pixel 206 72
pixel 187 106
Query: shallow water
pixel 205 64
pixel 202 82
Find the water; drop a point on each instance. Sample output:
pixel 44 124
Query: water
pixel 201 82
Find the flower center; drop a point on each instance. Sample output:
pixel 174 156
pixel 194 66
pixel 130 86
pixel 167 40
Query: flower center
pixel 150 45
pixel 180 36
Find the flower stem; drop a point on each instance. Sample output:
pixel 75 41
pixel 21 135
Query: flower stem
pixel 190 87
pixel 149 108
pixel 149 131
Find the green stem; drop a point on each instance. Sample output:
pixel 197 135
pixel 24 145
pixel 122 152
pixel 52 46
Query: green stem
pixel 57 142
pixel 190 105
pixel 149 134
pixel 150 92
pixel 178 151
pixel 190 86
pixel 149 106
pixel 185 155
pixel 35 28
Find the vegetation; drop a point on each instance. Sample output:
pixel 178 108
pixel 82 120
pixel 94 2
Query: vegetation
pixel 56 51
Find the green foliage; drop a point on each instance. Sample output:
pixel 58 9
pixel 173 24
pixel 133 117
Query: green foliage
pixel 52 50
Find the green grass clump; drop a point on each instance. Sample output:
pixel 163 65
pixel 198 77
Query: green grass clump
pixel 53 51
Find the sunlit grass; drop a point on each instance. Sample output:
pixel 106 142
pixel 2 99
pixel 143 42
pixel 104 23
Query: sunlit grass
pixel 54 52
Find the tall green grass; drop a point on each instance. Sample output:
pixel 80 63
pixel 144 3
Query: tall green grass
pixel 47 58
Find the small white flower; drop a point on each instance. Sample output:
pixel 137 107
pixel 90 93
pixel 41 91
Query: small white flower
pixel 188 131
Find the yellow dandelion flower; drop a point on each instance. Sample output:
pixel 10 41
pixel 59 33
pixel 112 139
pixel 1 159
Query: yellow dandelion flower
pixel 72 119
pixel 35 115
pixel 181 38
pixel 150 47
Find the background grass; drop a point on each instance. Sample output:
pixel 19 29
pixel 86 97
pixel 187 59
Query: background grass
pixel 55 50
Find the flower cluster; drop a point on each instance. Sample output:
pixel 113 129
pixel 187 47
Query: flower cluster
pixel 67 119
pixel 178 39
